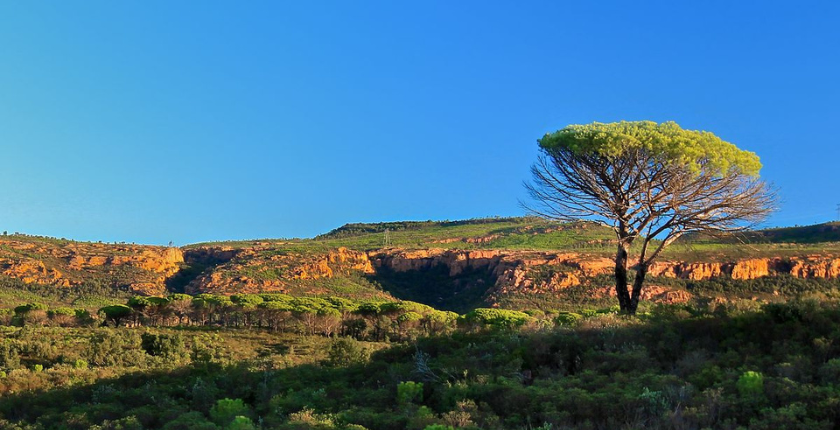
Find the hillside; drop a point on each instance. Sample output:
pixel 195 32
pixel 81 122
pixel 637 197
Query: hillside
pixel 486 233
pixel 518 263
pixel 81 273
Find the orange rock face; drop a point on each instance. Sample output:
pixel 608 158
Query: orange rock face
pixel 35 272
pixel 278 272
pixel 751 269
pixel 815 267
pixel 64 264
pixel 700 271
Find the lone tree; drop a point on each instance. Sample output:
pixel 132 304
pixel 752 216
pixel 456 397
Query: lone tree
pixel 649 182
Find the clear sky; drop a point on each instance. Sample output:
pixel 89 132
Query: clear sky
pixel 151 121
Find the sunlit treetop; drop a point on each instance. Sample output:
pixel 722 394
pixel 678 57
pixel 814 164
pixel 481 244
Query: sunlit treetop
pixel 668 143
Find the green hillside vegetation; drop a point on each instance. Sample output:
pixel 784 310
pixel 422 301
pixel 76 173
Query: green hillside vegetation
pixel 777 366
pixel 759 353
pixel 14 292
pixel 485 233
pixel 817 233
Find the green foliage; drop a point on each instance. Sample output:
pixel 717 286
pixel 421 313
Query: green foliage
pixel 190 421
pixel 694 149
pixel 829 373
pixel 241 423
pixel 61 312
pixel 115 313
pixel 567 319
pixel 588 313
pixel 108 348
pixel 409 392
pixel 606 372
pixel 226 410
pixel 346 351
pixel 751 384
pixel 497 318
pixel 178 297
pixel 168 347
pixel 409 317
pixel 248 301
pixel 9 356
pixel 29 307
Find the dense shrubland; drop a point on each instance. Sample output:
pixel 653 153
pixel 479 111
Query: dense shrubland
pixel 679 367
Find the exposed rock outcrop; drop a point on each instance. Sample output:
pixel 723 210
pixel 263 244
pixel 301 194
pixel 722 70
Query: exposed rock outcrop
pixel 653 293
pixel 752 268
pixel 815 267
pixel 262 270
pixel 143 269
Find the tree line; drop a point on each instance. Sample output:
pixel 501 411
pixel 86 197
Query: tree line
pixel 326 316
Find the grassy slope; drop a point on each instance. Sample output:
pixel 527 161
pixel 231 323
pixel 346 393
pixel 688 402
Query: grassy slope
pixel 497 233
pixel 535 234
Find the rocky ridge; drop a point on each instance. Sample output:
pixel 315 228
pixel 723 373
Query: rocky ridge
pixel 514 271
pixel 265 267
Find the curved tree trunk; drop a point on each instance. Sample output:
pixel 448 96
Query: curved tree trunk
pixel 621 278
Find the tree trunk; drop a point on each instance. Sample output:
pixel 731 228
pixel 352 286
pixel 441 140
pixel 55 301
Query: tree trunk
pixel 637 287
pixel 621 278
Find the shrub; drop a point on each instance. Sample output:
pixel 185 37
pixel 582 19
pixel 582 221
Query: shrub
pixel 750 384
pixel 241 423
pixel 409 391
pixel 192 421
pixel 567 319
pixel 346 351
pixel 830 372
pixel 589 313
pixel 168 347
pixel 497 318
pixel 226 410
pixel 9 357
pixel 309 417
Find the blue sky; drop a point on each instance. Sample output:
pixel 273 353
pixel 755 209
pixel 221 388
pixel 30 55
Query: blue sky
pixel 191 121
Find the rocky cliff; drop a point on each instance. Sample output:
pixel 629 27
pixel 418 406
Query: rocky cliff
pixel 442 275
pixel 143 269
pixel 264 269
pixel 302 269
pixel 522 272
